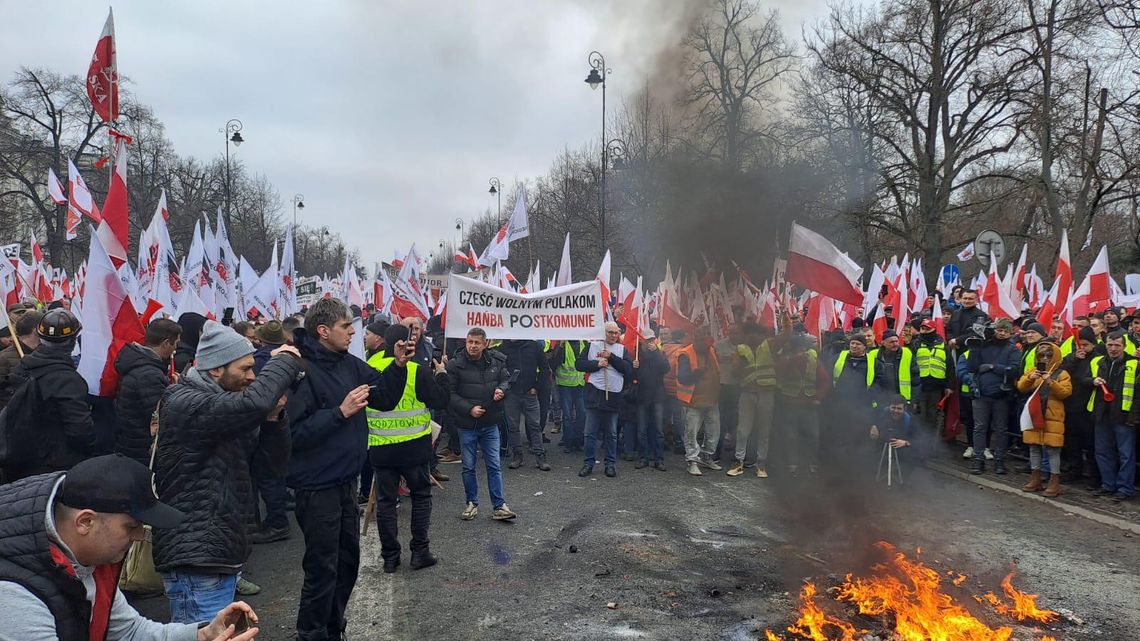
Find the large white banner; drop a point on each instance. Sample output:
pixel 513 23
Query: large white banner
pixel 570 312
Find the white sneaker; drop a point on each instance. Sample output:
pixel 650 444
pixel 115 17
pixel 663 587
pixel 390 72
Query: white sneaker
pixel 694 470
pixel 470 511
pixel 988 454
pixel 969 453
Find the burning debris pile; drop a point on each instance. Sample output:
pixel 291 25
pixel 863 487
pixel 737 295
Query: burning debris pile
pixel 903 600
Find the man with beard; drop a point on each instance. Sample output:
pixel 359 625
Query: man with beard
pixel 209 426
pixel 330 442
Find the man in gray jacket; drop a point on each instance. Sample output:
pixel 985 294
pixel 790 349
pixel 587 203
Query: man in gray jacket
pixel 62 538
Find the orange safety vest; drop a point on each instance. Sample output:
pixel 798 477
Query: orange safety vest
pixel 685 392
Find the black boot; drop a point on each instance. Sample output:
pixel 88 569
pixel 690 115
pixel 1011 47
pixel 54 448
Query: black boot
pixel 390 565
pixel 999 467
pixel 423 559
pixel 979 466
pixel 516 459
pixel 585 471
pixel 540 463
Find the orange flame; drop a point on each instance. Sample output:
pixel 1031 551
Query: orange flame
pixel 1024 605
pixel 908 595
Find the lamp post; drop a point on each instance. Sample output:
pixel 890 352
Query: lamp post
pixel 232 133
pixel 618 154
pixel 458 232
pixel 298 203
pixel 497 190
pixel 597 77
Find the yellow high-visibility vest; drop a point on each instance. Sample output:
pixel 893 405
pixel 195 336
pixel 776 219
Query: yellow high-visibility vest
pixel 931 360
pixel 761 371
pixel 841 361
pixel 1129 382
pixel 409 420
pixel 904 369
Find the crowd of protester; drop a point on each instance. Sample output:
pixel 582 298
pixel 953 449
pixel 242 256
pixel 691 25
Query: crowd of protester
pixel 242 424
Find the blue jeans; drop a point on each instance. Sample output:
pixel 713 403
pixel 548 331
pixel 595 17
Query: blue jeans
pixel 606 423
pixel 1116 457
pixel 486 439
pixel 198 597
pixel 573 401
pixel 651 431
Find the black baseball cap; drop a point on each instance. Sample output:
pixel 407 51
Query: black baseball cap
pixel 116 484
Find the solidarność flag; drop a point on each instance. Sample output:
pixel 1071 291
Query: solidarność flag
pixel 103 74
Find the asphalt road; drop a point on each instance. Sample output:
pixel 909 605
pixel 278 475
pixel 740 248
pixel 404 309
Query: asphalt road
pixel 661 555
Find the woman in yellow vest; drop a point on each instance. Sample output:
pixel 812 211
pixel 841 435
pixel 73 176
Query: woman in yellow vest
pixel 399 446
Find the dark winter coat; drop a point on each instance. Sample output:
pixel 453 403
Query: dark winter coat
pixel 1001 361
pixel 206 437
pixel 68 435
pixel 473 382
pixel 650 374
pixel 142 380
pixel 525 357
pixel 962 322
pixel 1078 369
pixel 329 449
pixel 9 360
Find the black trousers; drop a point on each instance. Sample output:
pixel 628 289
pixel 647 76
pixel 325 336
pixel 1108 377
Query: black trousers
pixel 331 526
pixel 387 524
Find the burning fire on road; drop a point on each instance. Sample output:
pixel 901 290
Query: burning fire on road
pixel 903 600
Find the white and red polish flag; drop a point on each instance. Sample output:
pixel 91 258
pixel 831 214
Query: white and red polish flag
pixel 936 317
pixel 565 270
pixel 1095 292
pixel 79 202
pixel 103 74
pixel 114 229
pixel 55 189
pixel 996 296
pixel 110 321
pixel 816 264
pixel 1017 285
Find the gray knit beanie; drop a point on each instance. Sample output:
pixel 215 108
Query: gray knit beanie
pixel 220 346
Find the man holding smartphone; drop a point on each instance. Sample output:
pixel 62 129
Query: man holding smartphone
pixel 330 443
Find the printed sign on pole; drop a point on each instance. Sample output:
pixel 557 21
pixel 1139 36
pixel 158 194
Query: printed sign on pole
pixel 569 312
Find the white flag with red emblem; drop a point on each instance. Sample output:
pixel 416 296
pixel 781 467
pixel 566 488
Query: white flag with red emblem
pixel 967 253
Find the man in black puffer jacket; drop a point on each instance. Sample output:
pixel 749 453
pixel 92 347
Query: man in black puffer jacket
pixel 67 433
pixel 143 377
pixel 330 444
pixel 210 424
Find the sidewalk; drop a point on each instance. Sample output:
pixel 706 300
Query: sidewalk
pixel 1075 498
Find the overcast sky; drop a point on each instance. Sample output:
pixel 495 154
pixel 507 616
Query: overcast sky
pixel 389 116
